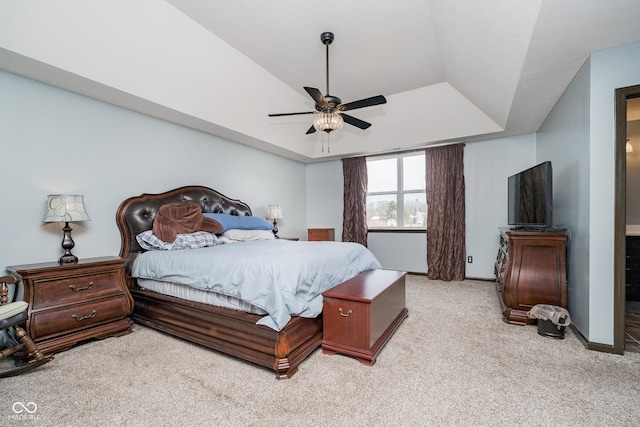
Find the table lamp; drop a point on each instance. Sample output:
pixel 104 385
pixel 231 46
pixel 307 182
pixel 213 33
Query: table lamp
pixel 66 208
pixel 274 212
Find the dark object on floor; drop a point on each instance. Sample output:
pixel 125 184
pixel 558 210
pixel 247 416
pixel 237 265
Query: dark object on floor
pixel 547 328
pixel 552 320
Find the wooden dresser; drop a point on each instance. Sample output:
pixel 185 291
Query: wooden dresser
pixel 530 269
pixel 321 234
pixel 70 303
pixel 361 314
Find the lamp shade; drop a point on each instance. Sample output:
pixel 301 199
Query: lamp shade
pixel 65 208
pixel 274 212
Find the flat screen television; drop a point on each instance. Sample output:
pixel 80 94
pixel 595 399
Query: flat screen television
pixel 531 198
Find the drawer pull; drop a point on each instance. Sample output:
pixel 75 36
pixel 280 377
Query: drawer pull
pixel 74 289
pixel 80 319
pixel 344 315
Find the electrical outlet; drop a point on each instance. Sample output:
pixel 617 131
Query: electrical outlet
pixel 470 259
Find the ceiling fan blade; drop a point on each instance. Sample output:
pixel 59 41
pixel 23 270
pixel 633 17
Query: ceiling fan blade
pixel 317 96
pixel 355 122
pixel 311 130
pixel 367 102
pixel 291 114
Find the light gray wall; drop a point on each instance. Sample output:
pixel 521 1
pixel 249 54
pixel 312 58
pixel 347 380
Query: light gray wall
pixel 325 196
pixel 564 139
pixel 487 165
pixel 610 69
pixel 57 141
pixel 400 251
pixel 579 137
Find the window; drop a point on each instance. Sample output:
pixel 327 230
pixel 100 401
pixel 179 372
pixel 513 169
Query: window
pixel 396 196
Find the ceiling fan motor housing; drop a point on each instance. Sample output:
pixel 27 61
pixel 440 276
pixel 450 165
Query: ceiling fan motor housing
pixel 330 106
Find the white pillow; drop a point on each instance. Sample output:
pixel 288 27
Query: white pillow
pixel 248 235
pixel 199 239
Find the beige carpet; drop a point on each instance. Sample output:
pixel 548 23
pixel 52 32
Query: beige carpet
pixel 452 362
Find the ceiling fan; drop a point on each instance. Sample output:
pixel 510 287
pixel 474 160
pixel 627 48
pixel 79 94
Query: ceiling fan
pixel 329 109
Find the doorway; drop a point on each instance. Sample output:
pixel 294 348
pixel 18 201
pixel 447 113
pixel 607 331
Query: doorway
pixel 625 324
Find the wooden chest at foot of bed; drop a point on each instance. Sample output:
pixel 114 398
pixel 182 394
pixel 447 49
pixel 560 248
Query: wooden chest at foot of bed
pixel 361 314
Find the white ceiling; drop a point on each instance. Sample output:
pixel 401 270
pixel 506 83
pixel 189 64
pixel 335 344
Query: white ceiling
pixel 451 70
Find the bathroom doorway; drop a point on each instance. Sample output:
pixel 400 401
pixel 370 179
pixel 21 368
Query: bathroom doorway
pixel 627 221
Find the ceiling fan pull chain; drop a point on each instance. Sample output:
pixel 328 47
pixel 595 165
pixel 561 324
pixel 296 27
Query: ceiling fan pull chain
pixel 322 137
pixel 328 136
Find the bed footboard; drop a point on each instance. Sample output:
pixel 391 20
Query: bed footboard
pixel 230 332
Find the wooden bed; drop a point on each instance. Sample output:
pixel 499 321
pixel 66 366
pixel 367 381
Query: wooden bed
pixel 226 330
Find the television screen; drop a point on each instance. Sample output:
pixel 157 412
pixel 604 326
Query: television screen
pixel 531 198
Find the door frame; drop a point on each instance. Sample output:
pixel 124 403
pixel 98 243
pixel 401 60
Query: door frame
pixel 620 215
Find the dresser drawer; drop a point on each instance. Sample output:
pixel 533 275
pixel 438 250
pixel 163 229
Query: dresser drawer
pixel 321 234
pixel 48 323
pixel 68 290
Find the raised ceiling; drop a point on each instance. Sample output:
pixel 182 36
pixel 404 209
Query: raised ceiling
pixel 451 70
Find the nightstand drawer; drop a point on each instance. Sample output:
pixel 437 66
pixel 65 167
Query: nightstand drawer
pixel 52 292
pixel 49 323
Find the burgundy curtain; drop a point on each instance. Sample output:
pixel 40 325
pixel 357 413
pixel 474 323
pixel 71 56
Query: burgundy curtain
pixel 445 212
pixel 354 219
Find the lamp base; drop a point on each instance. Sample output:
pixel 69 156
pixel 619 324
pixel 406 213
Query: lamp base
pixel 275 229
pixel 68 259
pixel 67 245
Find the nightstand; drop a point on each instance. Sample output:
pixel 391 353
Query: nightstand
pixel 321 234
pixel 70 303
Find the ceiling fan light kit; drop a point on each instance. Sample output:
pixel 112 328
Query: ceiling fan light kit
pixel 329 109
pixel 327 122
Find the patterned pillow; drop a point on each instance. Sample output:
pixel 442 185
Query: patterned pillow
pixel 199 239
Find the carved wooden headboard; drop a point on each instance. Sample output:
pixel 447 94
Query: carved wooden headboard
pixel 136 214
